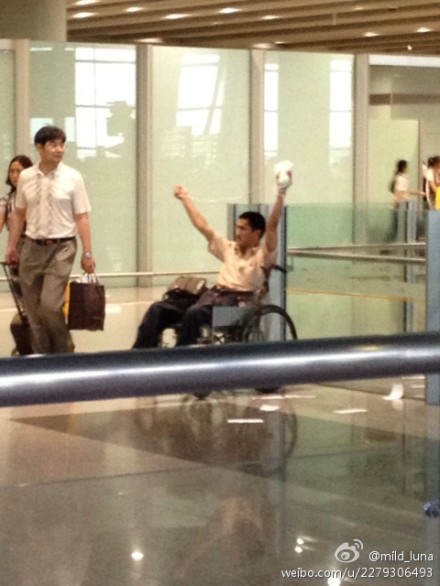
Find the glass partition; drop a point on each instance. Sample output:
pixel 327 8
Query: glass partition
pixel 200 122
pixel 7 126
pixel 356 290
pixel 309 120
pixel 90 91
pixel 7 92
pixel 333 298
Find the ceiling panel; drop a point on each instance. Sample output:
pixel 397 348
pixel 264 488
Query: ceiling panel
pixel 351 26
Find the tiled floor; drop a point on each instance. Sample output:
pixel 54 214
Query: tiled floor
pixel 237 489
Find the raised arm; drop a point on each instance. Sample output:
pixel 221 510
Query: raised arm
pixel 197 219
pixel 273 220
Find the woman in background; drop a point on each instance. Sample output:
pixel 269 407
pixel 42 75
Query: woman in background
pixel 431 180
pixel 7 202
pixel 401 193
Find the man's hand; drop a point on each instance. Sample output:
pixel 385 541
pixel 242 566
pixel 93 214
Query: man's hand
pixel 88 264
pixel 12 256
pixel 283 183
pixel 283 176
pixel 181 192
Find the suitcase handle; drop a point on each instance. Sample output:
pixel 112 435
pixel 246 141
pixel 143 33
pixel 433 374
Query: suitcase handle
pixel 17 302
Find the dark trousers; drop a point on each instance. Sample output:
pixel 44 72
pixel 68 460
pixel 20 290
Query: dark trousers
pixel 164 314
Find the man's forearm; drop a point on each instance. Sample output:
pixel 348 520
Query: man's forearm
pixel 16 224
pixel 83 227
pixel 276 212
pixel 197 219
pixel 273 221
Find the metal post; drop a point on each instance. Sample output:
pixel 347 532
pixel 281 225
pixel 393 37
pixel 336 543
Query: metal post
pixel 433 296
pixel 411 216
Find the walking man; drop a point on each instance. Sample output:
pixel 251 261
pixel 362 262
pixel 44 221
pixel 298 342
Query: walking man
pixel 52 200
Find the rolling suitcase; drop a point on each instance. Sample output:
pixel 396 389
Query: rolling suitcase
pixel 19 326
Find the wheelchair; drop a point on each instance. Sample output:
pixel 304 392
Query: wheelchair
pixel 251 320
pixel 257 322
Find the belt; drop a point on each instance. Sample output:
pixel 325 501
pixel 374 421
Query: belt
pixel 224 291
pixel 48 241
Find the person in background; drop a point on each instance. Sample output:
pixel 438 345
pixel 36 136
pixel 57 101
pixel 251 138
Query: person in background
pixel 52 199
pixel 401 193
pixel 431 180
pixel 7 203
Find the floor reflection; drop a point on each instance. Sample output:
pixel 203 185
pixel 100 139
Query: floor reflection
pixel 252 434
pixel 231 490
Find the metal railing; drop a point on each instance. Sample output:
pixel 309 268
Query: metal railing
pixel 353 253
pixel 139 274
pixel 344 252
pixel 201 369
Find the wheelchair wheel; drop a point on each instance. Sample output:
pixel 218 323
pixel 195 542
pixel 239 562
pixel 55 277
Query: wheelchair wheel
pixel 267 323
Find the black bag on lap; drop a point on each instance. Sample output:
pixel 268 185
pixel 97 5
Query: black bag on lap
pixel 184 291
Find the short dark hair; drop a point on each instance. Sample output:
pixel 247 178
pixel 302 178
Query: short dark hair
pixel 432 161
pixel 256 221
pixel 24 161
pixel 401 166
pixel 48 133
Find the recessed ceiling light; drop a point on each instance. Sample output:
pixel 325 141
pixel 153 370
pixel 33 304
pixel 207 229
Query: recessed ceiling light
pixel 423 29
pixel 85 2
pixel 152 40
pixel 262 46
pixel 133 9
pixel 245 420
pixel 270 17
pixel 84 14
pixel 409 47
pixel 371 34
pixel 350 411
pixel 229 10
pixel 269 408
pixel 175 16
pixel 137 556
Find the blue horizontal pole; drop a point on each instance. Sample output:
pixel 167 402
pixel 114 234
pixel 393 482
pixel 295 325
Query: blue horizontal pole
pixel 201 369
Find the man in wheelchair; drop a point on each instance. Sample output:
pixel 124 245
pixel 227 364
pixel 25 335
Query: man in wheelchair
pixel 246 262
